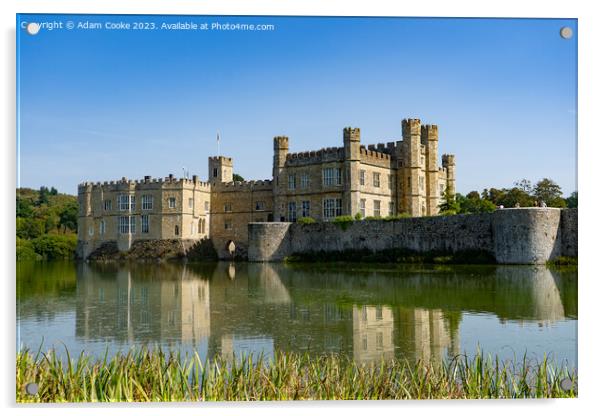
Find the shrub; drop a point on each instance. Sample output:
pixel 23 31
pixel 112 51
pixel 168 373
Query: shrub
pixel 55 246
pixel 358 216
pixel 397 216
pixel 25 250
pixel 306 220
pixel 343 221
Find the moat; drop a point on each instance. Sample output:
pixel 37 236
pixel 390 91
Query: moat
pixel 406 312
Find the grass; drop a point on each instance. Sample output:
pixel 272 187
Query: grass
pixel 395 255
pixel 143 375
pixel 562 261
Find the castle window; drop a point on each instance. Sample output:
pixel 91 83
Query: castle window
pixel 391 208
pixel 376 179
pixel 201 226
pixel 421 182
pixel 144 228
pixel 363 207
pixel 422 160
pixel 102 226
pixel 192 227
pixel 227 225
pixel 108 204
pixel 391 182
pixel 292 179
pixel 304 180
pixel 215 172
pixel 362 177
pixel 206 206
pixel 91 230
pixel 331 176
pixel 171 202
pixel 124 225
pixel 132 225
pixel 259 205
pixel 292 211
pixel 124 202
pixel 376 208
pixel 228 207
pixel 147 202
pixel 176 230
pixel 305 207
pixel 333 208
pixel 379 341
pixel 190 202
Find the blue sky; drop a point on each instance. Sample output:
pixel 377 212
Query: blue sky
pixel 102 104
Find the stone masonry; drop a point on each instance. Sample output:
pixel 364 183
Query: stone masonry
pixel 374 181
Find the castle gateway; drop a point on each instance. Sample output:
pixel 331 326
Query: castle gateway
pixel 375 181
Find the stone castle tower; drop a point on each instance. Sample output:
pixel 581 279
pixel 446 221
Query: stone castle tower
pixel 399 177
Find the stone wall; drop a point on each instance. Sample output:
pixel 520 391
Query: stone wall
pixel 512 236
pixel 568 226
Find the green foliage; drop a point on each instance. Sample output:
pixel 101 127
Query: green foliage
pixel 55 246
pixel 45 213
pixel 29 228
pixel 397 216
pixel 343 221
pixel 237 178
pixel 571 201
pixel 144 375
pixel 549 191
pixel 68 216
pixel 26 251
pixel 306 220
pixel 449 205
pixel 395 255
pixel 523 194
pixel 563 261
pixel 472 203
pixel 358 216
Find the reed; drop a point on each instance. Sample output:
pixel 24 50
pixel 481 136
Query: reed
pixel 144 375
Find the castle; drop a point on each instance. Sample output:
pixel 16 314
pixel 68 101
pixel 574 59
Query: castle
pixel 374 181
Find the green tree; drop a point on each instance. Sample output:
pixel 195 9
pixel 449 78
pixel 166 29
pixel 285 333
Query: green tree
pixel 524 185
pixel 472 203
pixel 237 178
pixel 550 192
pixel 68 216
pixel 449 205
pixel 43 196
pixel 571 201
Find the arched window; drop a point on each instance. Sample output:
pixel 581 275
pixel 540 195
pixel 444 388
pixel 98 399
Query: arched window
pixel 201 226
pixel 177 230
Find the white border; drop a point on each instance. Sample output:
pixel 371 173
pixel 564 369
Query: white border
pixel 590 69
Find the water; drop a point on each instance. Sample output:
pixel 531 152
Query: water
pixel 411 312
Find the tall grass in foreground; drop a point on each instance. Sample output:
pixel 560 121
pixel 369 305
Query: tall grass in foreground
pixel 144 375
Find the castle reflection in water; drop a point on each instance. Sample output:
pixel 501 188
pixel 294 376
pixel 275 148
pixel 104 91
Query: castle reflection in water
pixel 232 308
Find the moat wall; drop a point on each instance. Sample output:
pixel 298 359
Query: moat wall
pixel 512 236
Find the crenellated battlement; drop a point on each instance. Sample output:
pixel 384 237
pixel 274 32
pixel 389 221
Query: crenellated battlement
pixel 146 183
pixel 253 185
pixel 375 151
pixel 410 126
pixel 429 132
pixel 448 160
pixel 326 154
pixel 222 159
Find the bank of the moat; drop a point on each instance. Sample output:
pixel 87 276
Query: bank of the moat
pixel 507 236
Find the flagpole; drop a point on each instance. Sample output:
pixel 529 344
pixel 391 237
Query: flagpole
pixel 218 143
